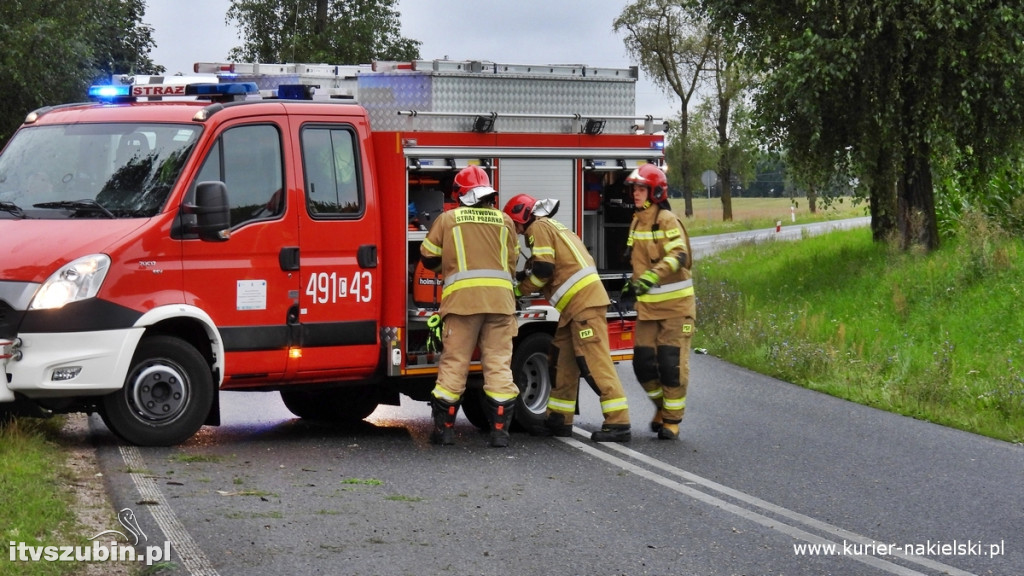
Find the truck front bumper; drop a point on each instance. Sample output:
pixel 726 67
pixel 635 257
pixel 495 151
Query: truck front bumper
pixel 60 365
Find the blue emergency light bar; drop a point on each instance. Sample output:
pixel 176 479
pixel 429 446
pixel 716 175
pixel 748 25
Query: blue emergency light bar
pixel 128 93
pixel 109 92
pixel 226 89
pixel 296 91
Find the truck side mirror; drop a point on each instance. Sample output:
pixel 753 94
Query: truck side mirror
pixel 213 215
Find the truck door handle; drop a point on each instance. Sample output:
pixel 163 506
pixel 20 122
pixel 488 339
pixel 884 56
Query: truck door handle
pixel 367 256
pixel 288 257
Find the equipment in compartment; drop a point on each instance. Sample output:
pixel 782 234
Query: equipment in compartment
pixel 426 288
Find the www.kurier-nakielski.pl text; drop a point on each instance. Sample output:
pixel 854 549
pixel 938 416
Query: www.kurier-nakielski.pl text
pixel 927 548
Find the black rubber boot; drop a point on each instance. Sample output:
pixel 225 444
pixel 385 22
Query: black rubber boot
pixel 669 431
pixel 612 433
pixel 501 419
pixel 444 422
pixel 557 427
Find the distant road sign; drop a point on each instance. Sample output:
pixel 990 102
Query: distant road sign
pixel 708 178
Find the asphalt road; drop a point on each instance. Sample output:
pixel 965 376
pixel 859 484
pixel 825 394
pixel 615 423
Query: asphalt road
pixel 704 245
pixel 763 468
pixel 768 478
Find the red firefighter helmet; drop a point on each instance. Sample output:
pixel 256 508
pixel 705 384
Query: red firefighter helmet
pixel 651 176
pixel 472 185
pixel 520 208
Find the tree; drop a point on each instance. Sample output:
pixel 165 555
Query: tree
pixel 672 46
pixel 874 86
pixel 336 31
pixel 729 82
pixel 706 153
pixel 124 42
pixel 52 50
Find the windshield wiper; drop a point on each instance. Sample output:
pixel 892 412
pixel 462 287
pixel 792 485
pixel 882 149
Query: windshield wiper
pixel 84 204
pixel 13 209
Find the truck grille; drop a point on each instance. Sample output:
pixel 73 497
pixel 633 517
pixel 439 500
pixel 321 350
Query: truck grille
pixel 9 320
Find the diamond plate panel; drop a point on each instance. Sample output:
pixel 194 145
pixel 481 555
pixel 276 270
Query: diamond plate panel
pixel 384 95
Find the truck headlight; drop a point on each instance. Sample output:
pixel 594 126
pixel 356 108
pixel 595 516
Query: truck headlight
pixel 77 280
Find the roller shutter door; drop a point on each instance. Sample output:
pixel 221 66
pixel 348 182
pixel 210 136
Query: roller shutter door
pixel 540 178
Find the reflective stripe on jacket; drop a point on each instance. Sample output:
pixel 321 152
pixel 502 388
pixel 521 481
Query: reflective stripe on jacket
pixel 478 247
pixel 660 243
pixel 574 284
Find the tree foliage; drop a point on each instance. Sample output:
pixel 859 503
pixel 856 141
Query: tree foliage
pixel 52 50
pixel 334 31
pixel 880 87
pixel 672 45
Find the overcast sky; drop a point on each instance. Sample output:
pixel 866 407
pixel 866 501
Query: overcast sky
pixel 505 31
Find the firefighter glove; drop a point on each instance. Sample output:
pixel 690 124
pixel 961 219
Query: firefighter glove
pixel 627 294
pixel 434 327
pixel 646 281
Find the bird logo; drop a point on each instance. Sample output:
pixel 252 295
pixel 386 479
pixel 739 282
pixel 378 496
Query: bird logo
pixel 127 519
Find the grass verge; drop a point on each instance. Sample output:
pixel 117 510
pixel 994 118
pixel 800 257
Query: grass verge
pixel 935 336
pixel 35 509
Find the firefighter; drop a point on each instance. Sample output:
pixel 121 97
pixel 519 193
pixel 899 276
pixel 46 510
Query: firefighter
pixel 561 268
pixel 666 309
pixel 475 248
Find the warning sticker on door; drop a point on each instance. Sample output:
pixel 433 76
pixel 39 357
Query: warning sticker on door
pixel 251 295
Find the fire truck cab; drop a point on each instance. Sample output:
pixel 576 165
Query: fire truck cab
pixel 256 228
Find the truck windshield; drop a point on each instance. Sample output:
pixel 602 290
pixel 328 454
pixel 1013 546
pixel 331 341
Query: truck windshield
pixel 93 170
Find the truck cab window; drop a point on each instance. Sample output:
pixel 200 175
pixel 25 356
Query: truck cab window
pixel 331 171
pixel 87 170
pixel 247 159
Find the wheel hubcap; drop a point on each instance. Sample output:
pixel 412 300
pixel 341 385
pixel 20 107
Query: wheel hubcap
pixel 159 393
pixel 535 384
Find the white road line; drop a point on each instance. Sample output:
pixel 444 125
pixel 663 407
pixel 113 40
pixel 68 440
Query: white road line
pixel 749 514
pixel 188 551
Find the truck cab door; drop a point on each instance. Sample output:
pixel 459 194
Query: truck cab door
pixel 244 283
pixel 340 292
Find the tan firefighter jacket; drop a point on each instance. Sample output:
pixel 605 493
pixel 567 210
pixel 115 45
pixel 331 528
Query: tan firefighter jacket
pixel 478 247
pixel 659 242
pixel 574 283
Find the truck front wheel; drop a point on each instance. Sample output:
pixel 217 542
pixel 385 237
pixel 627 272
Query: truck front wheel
pixel 166 396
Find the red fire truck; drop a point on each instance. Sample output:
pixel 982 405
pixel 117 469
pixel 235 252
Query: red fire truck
pixel 253 228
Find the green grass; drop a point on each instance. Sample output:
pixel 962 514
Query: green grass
pixel 363 481
pixel 935 336
pixel 35 508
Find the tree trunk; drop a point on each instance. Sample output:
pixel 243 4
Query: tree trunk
pixel 320 23
pixel 725 159
pixel 916 205
pixel 725 186
pixel 684 162
pixel 882 196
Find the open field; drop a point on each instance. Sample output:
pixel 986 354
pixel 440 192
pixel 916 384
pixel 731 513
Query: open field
pixel 756 213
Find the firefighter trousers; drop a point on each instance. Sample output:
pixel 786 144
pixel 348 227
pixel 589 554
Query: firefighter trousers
pixel 461 335
pixel 580 350
pixel 661 362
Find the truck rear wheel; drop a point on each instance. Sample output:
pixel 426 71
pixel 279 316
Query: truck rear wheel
pixel 531 375
pixel 166 396
pixel 344 405
pixel 474 407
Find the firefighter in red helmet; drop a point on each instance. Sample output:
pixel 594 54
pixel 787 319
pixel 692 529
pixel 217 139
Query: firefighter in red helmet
pixel 666 309
pixel 561 268
pixel 475 248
